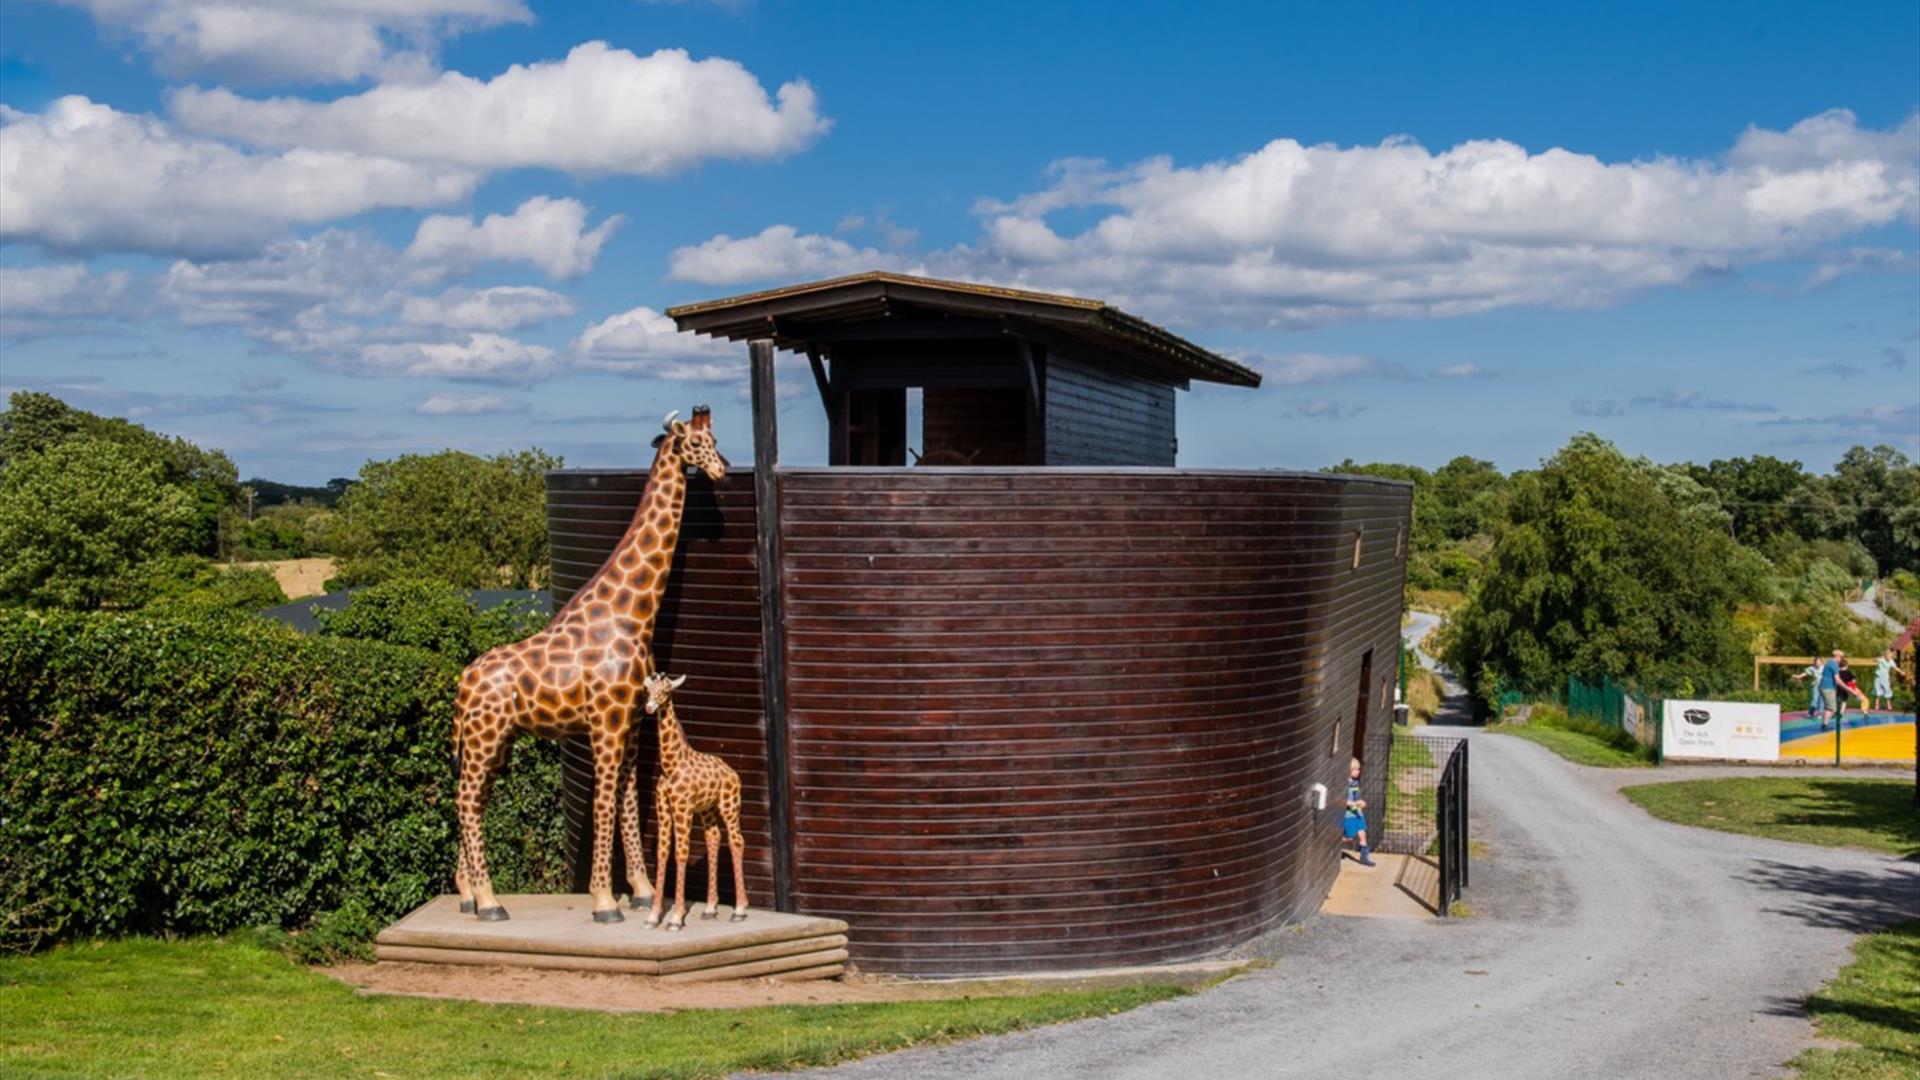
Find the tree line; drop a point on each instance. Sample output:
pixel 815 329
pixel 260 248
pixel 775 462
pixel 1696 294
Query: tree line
pixel 1672 576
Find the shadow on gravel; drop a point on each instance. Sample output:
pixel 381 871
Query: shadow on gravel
pixel 1849 900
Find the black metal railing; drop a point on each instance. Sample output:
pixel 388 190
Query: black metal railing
pixel 1425 812
pixel 1451 825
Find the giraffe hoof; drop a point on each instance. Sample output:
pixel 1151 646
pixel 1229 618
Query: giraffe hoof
pixel 705 915
pixel 611 915
pixel 495 913
pixel 637 902
pixel 738 916
pixel 466 907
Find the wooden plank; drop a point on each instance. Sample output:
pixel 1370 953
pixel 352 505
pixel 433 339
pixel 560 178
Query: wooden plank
pixel 766 459
pixel 820 379
pixel 760 968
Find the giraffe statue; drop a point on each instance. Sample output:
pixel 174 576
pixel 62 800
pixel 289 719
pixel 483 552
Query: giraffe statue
pixel 692 784
pixel 582 675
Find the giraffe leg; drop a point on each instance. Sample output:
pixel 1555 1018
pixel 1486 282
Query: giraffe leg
pixel 682 850
pixel 642 894
pixel 476 779
pixel 663 845
pixel 607 748
pixel 713 865
pixel 462 881
pixel 737 844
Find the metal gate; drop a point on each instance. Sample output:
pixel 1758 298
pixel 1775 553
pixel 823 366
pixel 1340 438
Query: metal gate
pixel 1425 812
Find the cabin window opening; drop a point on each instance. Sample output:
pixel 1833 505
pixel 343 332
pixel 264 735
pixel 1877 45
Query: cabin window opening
pixel 1333 748
pixel 1363 706
pixel 1358 542
pixel 1400 542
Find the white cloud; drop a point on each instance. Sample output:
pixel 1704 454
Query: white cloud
pixel 34 299
pixel 467 405
pixel 297 40
pixel 775 251
pixel 501 308
pixel 601 110
pixel 479 356
pixel 1293 235
pixel 1301 369
pixel 84 177
pixel 548 233
pixel 644 342
pixel 1462 371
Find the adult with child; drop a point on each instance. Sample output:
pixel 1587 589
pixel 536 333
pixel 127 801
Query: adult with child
pixel 1848 685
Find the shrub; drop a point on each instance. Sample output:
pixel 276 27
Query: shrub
pixel 188 584
pixel 429 615
pixel 205 774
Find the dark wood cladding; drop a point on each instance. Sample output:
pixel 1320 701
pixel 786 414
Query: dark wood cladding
pixel 1096 415
pixel 983 426
pixel 708 630
pixel 1045 719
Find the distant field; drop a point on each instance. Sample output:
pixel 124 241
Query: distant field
pixel 298 577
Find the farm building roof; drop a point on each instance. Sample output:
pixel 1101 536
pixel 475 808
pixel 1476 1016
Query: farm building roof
pixel 880 305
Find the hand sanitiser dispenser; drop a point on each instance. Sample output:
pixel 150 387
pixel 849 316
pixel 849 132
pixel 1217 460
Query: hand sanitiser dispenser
pixel 1318 793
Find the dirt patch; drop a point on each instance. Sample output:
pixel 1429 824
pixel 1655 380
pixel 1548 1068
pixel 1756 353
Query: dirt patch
pixel 642 993
pixel 299 578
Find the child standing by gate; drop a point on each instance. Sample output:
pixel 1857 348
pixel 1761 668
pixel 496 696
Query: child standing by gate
pixel 1356 822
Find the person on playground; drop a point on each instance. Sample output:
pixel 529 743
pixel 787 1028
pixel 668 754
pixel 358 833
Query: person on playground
pixel 1811 673
pixel 1356 822
pixel 1849 687
pixel 1830 688
pixel 1883 680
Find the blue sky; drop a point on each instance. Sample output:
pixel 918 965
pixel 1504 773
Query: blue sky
pixel 313 238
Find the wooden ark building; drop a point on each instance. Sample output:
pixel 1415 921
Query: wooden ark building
pixel 1062 706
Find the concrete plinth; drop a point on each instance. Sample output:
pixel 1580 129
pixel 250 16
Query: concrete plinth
pixel 559 932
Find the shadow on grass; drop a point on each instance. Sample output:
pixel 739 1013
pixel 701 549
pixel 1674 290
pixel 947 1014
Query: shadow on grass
pixel 1884 807
pixel 1857 901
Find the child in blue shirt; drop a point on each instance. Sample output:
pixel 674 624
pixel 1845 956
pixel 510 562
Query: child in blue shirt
pixel 1356 820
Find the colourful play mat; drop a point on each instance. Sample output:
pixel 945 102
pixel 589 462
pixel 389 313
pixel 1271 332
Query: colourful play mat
pixel 1879 736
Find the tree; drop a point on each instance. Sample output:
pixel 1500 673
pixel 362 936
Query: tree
pixel 81 520
pixel 1759 492
pixel 1610 566
pixel 452 517
pixel 34 423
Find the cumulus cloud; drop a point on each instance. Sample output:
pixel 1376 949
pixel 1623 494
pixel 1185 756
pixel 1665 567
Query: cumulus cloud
pixel 467 405
pixel 297 40
pixel 644 342
pixel 599 111
pixel 548 233
pixel 84 177
pixel 1301 369
pixel 775 251
pixel 491 357
pixel 35 300
pixel 501 308
pixel 1293 235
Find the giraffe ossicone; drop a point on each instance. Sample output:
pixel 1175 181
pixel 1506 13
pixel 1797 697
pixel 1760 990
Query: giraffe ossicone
pixel 582 675
pixel 692 785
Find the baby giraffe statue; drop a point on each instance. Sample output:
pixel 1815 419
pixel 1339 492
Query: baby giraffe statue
pixel 692 784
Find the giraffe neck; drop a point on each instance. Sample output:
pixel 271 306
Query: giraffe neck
pixel 673 741
pixel 634 577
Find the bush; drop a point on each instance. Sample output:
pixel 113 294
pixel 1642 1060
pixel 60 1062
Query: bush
pixel 205 774
pixel 189 584
pixel 429 615
pixel 1555 716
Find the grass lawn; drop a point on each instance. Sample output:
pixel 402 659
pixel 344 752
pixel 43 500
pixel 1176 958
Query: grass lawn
pixel 1877 815
pixel 1576 747
pixel 1873 1003
pixel 142 1007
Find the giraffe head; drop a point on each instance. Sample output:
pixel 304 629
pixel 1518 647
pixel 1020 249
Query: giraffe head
pixel 660 687
pixel 694 442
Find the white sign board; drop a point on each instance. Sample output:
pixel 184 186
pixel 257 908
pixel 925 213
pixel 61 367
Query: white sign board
pixel 1721 730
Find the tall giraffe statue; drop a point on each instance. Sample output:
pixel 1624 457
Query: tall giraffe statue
pixel 582 675
pixel 692 784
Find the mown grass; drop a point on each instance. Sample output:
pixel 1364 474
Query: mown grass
pixel 1582 742
pixel 1874 1003
pixel 148 1008
pixel 1874 815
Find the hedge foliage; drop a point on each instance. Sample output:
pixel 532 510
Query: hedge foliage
pixel 205 773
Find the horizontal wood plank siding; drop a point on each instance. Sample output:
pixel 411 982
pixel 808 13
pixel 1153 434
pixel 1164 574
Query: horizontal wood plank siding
pixel 1099 416
pixel 709 631
pixel 1047 719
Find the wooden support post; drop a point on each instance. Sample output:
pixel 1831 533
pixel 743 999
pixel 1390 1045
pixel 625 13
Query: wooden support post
pixel 773 651
pixel 1036 403
pixel 820 379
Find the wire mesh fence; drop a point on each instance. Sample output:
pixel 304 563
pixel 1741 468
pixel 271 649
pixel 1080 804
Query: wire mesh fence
pixel 1409 822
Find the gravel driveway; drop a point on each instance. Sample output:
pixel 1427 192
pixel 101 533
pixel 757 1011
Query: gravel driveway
pixel 1605 944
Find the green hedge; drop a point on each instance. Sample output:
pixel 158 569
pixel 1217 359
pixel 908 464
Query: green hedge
pixel 199 774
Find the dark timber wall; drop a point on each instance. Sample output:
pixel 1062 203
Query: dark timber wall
pixel 1098 416
pixel 1043 718
pixel 708 630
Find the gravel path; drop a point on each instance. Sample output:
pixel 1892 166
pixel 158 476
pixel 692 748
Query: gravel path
pixel 1605 944
pixel 1868 608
